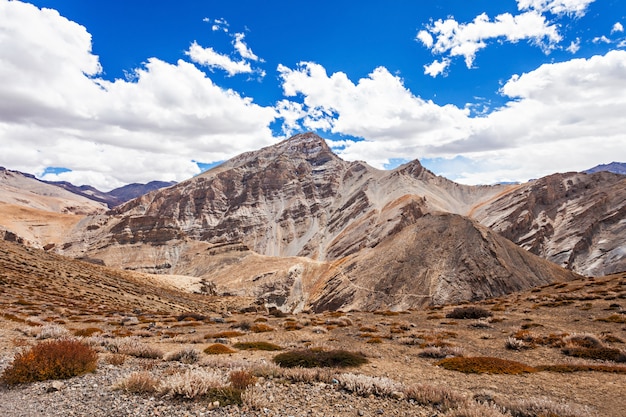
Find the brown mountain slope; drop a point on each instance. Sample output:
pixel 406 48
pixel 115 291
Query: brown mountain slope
pixel 34 279
pixel 576 220
pixel 37 212
pixel 441 259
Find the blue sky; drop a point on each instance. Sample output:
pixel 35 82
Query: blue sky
pixel 116 91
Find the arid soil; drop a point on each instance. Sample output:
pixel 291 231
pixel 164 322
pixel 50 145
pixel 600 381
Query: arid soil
pixel 39 296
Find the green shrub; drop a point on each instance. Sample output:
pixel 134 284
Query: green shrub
pixel 257 346
pixel 56 359
pixel 469 312
pixel 309 358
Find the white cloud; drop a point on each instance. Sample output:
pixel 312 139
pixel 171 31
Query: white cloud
pixel 466 39
pixel 560 117
pixel 426 38
pixel 212 59
pixel 378 108
pixel 601 39
pixel 55 110
pixel 577 8
pixel 574 46
pixel 617 27
pixel 218 24
pixel 436 67
pixel 243 49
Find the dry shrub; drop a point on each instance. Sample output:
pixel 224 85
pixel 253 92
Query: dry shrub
pixel 241 379
pixel 89 331
pixel 261 328
pixel 218 349
pixel 138 383
pixel 440 352
pixel 133 347
pixel 193 383
pixel 485 364
pixel 469 312
pixel 515 344
pixel 52 331
pixel 306 375
pixel 55 359
pixel 312 358
pixel 374 340
pixel 226 334
pixel 599 353
pixel 185 355
pixel 531 407
pixel 584 340
pixel 292 325
pixel 441 398
pixel 613 318
pixel 365 386
pixel 255 399
pixel 116 360
pixel 368 329
pixel 191 317
pixel 480 410
pixel 582 367
pixel 319 330
pixel 257 346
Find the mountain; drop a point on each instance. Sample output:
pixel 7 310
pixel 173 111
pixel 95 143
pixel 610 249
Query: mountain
pixel 295 225
pixel 575 220
pixel 114 197
pixel 614 167
pixel 37 213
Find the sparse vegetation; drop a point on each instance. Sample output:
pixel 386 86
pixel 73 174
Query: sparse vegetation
pixel 55 359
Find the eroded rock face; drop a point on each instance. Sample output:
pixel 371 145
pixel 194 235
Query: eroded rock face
pixel 575 220
pixel 441 258
pixel 297 227
pixel 295 198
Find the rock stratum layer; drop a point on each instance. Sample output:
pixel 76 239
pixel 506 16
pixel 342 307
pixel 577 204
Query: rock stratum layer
pixel 298 227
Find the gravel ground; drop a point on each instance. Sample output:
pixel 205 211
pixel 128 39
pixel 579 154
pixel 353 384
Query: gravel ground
pixel 92 395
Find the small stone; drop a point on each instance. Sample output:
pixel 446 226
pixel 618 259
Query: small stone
pixel 397 395
pixel 360 413
pixel 55 386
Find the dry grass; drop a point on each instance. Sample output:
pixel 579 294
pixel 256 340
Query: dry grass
pixel 142 382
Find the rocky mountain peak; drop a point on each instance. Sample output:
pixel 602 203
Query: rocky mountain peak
pixel 309 146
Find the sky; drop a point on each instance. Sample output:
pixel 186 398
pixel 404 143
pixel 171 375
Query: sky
pixel 113 92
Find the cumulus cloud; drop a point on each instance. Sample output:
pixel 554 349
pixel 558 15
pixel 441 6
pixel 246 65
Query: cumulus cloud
pixel 56 110
pixel 569 109
pixel 379 108
pixel 617 27
pixel 577 8
pixel 466 39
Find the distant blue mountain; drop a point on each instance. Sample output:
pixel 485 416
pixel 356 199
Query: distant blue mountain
pixel 614 167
